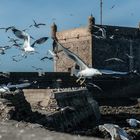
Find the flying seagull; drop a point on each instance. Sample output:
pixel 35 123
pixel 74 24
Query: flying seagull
pixel 133 122
pixel 8 28
pixel 129 56
pixel 40 41
pixel 46 57
pixel 54 55
pixel 114 59
pixel 26 37
pixel 112 72
pixel 13 39
pixel 37 24
pixel 85 71
pixel 112 6
pixel 102 30
pixel 3 48
pixel 36 68
pixel 115 131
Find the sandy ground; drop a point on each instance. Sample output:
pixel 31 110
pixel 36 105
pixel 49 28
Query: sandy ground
pixel 13 130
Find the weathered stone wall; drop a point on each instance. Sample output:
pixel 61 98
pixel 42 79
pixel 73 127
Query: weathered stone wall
pixel 37 97
pixel 119 43
pixel 78 41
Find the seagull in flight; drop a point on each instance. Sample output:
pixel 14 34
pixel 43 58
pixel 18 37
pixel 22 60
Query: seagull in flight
pixel 112 6
pixel 114 59
pixel 129 56
pixel 8 28
pixel 115 131
pixel 13 40
pixel 36 68
pixel 40 41
pixel 37 25
pixel 26 37
pixel 133 122
pixel 46 57
pixel 85 71
pixel 102 30
pixel 3 48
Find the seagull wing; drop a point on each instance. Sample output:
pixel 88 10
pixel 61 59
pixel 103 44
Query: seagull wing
pixel 108 128
pixel 114 59
pixel 41 24
pixel 111 72
pixel 40 41
pixel 33 45
pixel 73 56
pixel 123 134
pixel 20 34
pixel 138 121
pixel 34 22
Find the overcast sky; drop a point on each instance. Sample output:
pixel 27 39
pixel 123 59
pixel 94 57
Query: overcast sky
pixel 66 13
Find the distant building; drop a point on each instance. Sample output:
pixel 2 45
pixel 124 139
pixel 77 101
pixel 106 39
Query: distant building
pixel 94 48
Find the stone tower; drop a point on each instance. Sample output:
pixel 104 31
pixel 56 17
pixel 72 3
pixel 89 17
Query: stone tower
pixel 79 41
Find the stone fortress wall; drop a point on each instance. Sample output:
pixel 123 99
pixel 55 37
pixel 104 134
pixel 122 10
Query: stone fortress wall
pixel 120 42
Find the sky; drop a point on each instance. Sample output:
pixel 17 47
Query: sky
pixel 66 14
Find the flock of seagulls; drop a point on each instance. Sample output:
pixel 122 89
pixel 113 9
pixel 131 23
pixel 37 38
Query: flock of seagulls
pixel 23 42
pixel 85 72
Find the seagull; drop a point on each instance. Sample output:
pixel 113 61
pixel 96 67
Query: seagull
pixel 40 41
pixel 112 72
pixel 129 56
pixel 133 122
pixel 8 28
pixel 102 30
pixel 70 108
pixel 14 58
pixel 53 54
pixel 111 37
pixel 114 59
pixel 46 57
pixel 13 40
pixel 115 131
pixel 4 88
pixel 112 6
pixel 85 71
pixel 26 37
pixel 37 24
pixel 3 48
pixel 22 85
pixel 36 68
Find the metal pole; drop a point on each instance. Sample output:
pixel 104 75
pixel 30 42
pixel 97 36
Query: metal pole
pixel 101 6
